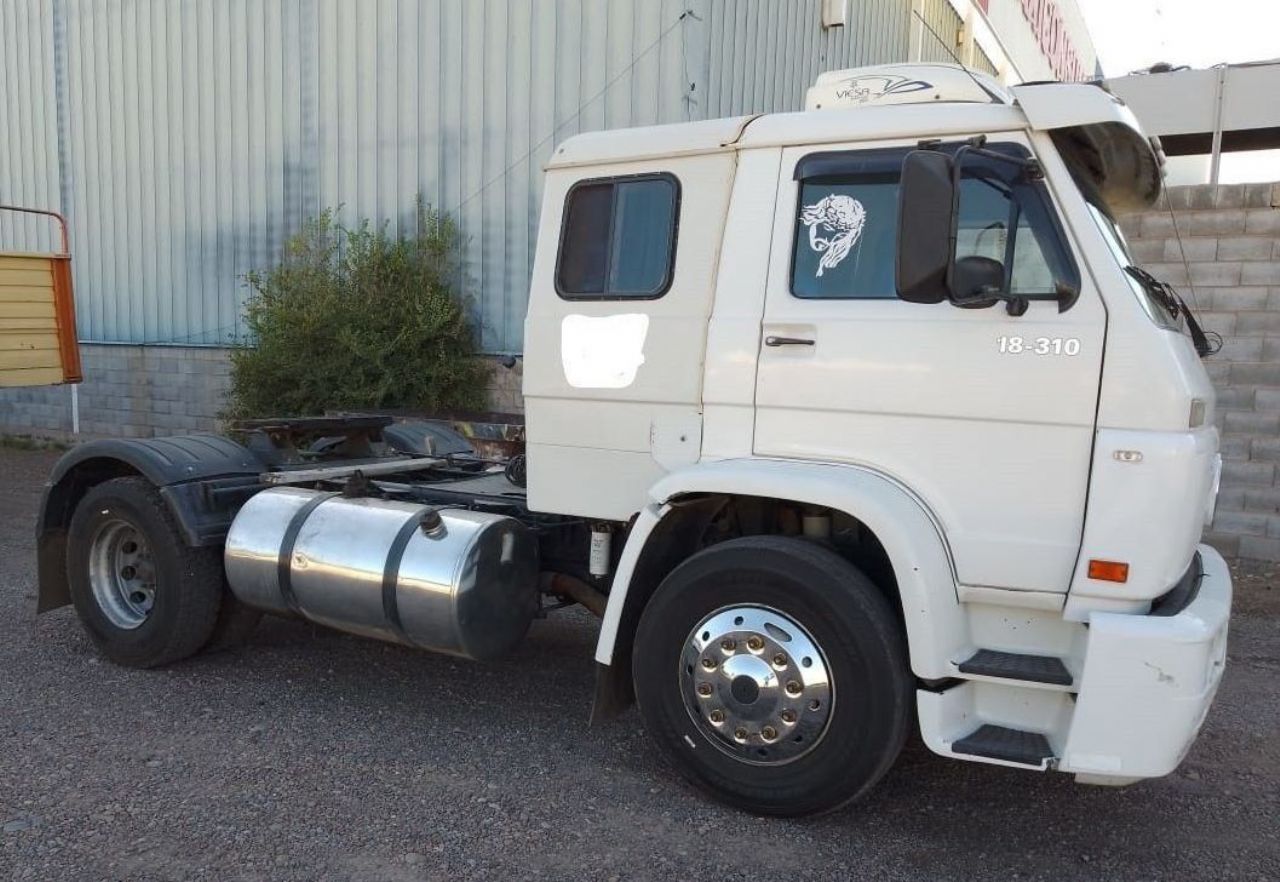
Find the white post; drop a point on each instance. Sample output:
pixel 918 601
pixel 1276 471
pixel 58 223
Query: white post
pixel 75 408
pixel 916 33
pixel 1215 159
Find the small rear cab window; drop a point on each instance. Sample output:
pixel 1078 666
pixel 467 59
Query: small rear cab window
pixel 618 238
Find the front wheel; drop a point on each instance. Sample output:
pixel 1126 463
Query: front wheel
pixel 774 674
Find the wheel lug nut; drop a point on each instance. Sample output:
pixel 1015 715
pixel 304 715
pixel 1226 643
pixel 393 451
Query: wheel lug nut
pixel 755 643
pixel 780 660
pixel 768 733
pixel 704 689
pixel 728 644
pixel 740 733
pixel 794 688
pixel 788 716
pixel 716 716
pixel 709 663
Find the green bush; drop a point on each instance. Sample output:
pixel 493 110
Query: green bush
pixel 354 319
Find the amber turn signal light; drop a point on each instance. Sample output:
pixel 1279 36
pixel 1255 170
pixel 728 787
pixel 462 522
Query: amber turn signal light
pixel 1108 571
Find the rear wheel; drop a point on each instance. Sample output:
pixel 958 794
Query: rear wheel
pixel 236 624
pixel 144 596
pixel 774 674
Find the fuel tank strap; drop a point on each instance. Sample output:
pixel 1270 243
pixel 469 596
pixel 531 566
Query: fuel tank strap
pixel 428 518
pixel 284 563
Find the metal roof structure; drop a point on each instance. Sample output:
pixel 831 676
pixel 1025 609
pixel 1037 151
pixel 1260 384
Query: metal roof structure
pixel 1220 109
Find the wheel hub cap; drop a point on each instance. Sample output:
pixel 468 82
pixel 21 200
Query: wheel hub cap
pixel 757 684
pixel 122 574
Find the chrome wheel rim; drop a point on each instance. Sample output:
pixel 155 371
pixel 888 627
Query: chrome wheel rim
pixel 757 684
pixel 122 574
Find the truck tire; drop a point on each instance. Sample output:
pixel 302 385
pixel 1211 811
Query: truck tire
pixel 236 623
pixel 145 597
pixel 774 674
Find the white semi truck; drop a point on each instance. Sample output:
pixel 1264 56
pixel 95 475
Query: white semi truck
pixel 844 421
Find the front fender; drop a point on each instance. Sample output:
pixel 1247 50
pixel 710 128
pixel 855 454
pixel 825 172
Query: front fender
pixel 911 536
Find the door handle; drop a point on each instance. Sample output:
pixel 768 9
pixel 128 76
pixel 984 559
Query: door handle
pixel 787 341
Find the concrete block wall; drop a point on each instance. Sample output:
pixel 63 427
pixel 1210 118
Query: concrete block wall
pixel 153 391
pixel 1230 235
pixel 128 391
pixel 502 389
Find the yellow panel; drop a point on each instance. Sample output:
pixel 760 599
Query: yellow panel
pixel 39 277
pixel 36 358
pixel 43 323
pixel 26 340
pixel 26 294
pixel 24 262
pixel 30 377
pixel 23 310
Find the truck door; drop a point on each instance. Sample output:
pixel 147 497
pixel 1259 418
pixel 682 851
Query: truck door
pixel 986 417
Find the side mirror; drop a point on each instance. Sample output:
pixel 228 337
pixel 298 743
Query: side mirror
pixel 926 226
pixel 976 281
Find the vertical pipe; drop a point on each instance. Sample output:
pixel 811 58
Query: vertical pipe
pixel 915 31
pixel 1215 160
pixel 75 409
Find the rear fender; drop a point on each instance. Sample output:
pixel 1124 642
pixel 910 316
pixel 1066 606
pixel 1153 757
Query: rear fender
pixel 203 478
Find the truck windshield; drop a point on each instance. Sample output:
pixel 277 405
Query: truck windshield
pixel 1156 308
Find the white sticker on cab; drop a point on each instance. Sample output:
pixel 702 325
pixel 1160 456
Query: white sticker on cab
pixel 602 352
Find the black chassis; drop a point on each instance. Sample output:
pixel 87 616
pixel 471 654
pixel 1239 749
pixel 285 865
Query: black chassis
pixel 206 478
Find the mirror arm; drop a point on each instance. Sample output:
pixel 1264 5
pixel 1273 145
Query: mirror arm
pixel 1065 295
pixel 1017 304
pixel 1014 304
pixel 977 145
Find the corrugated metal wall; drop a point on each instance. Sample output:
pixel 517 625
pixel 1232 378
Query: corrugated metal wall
pixel 28 123
pixel 938 39
pixel 197 135
pixel 983 63
pixel 764 54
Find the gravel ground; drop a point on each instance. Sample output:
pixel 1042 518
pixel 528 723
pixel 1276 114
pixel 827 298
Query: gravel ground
pixel 311 755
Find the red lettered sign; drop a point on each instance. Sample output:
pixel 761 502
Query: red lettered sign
pixel 1051 33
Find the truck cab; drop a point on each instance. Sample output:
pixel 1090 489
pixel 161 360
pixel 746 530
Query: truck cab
pixel 715 306
pixel 861 417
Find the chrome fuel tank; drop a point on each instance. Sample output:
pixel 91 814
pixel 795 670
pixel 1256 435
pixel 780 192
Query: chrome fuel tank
pixel 449 580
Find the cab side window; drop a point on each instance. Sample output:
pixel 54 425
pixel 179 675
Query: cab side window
pixel 618 238
pixel 847 225
pixel 996 221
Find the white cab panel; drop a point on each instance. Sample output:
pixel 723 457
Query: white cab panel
pixel 604 378
pixel 1148 502
pixel 733 334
